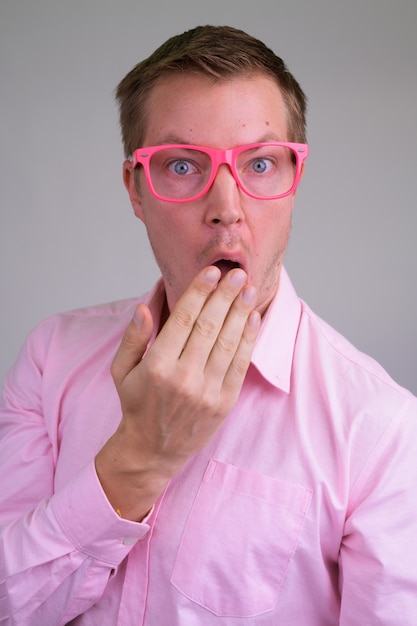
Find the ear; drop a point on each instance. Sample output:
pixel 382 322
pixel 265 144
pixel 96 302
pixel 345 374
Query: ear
pixel 130 184
pixel 302 170
pixel 301 177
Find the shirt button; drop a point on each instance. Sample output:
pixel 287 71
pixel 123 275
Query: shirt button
pixel 129 541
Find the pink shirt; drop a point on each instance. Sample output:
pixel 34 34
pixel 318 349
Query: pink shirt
pixel 301 511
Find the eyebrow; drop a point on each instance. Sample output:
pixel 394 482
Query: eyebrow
pixel 175 139
pixel 270 137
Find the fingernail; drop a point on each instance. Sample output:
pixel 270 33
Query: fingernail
pixel 254 319
pixel 212 275
pixel 248 295
pixel 237 278
pixel 139 316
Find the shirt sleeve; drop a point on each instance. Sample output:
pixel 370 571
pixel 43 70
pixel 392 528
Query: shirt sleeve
pixel 58 549
pixel 378 556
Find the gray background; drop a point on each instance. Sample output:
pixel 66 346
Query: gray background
pixel 68 236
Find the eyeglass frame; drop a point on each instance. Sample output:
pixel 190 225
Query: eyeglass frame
pixel 142 156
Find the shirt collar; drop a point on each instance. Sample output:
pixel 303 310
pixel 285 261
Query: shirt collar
pixel 274 349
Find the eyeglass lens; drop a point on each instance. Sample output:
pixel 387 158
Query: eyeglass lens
pixel 182 173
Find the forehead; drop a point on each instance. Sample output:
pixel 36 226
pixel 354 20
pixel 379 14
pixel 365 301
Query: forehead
pixel 192 108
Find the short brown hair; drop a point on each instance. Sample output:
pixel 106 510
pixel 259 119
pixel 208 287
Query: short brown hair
pixel 220 52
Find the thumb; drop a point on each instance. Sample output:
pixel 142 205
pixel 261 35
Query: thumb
pixel 133 345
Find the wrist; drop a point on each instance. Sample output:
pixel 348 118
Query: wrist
pixel 131 485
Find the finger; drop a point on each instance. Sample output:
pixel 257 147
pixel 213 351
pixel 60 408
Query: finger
pixel 233 332
pixel 240 362
pixel 133 344
pixel 209 323
pixel 180 324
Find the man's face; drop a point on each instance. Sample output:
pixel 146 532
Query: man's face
pixel 225 226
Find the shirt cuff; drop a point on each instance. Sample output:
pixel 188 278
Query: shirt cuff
pixel 90 522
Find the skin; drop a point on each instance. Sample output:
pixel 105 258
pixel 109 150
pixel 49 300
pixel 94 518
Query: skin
pixel 175 398
pixel 225 223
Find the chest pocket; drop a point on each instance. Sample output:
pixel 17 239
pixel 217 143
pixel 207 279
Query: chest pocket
pixel 239 540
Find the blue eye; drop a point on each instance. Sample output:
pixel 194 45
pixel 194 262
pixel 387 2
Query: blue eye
pixel 181 167
pixel 260 166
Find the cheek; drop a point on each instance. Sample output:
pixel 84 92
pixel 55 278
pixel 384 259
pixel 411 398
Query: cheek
pixel 274 229
pixel 166 234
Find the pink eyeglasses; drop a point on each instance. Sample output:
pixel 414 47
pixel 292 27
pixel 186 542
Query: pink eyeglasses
pixel 182 172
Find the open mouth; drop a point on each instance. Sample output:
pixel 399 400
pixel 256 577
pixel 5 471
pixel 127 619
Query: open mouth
pixel 225 265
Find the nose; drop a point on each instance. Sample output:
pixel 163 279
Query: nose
pixel 224 199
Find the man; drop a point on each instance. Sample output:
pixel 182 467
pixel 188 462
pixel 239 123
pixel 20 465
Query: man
pixel 242 463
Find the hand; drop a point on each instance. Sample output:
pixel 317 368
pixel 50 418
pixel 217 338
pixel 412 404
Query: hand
pixel 176 396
